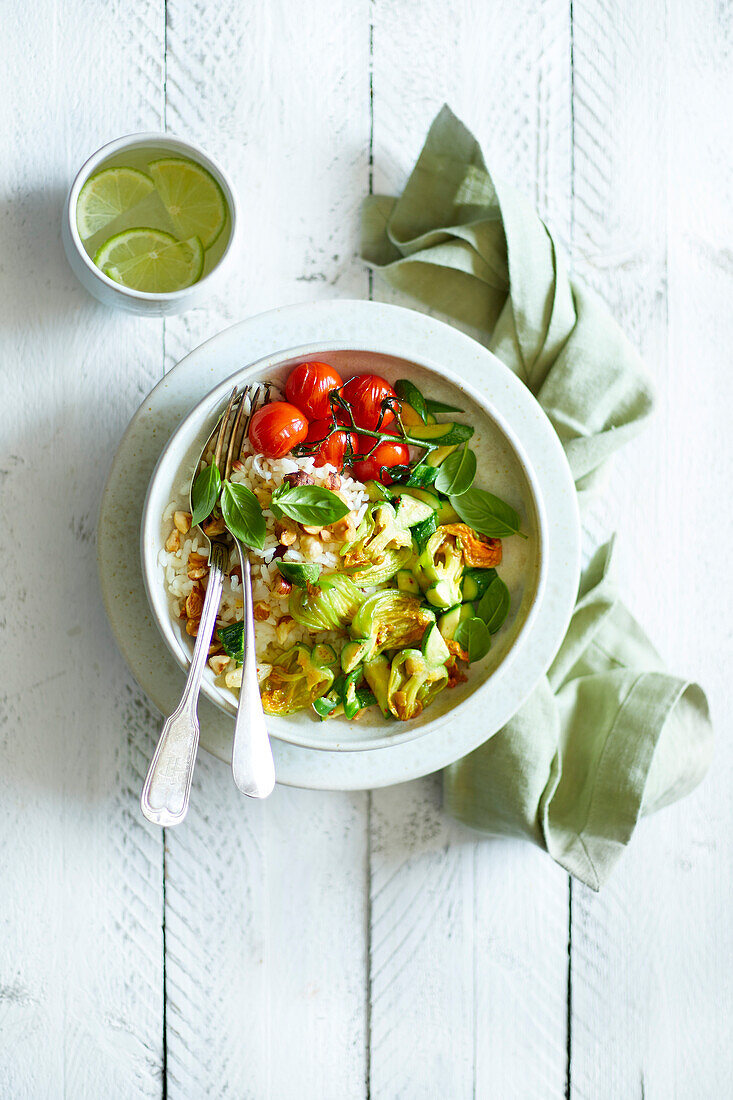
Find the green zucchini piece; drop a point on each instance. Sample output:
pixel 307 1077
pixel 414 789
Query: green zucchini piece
pixel 434 649
pixel 411 511
pixel 406 582
pixel 425 530
pixel 376 491
pixel 475 582
pixel 325 706
pixel 299 573
pixel 447 513
pixel 427 496
pixel 440 594
pixel 450 620
pixel 354 652
pixel 442 434
pixel 376 674
pixel 439 455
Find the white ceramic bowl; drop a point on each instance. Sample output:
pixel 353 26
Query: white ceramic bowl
pixel 107 290
pixel 512 436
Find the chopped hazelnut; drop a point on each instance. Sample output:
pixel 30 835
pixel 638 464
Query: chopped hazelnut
pixel 214 525
pixel 281 587
pixel 333 482
pixel 182 522
pixel 218 664
pixel 195 602
pixel 173 542
pixel 299 477
pixel 287 536
pixel 261 611
pixel 198 566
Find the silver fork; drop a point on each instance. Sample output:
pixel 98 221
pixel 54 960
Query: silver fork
pixel 167 787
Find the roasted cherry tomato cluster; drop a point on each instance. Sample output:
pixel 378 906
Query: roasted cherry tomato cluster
pixel 321 408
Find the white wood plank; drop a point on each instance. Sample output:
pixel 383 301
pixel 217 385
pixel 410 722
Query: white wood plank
pixel 81 982
pixel 265 943
pixel 267 980
pixel 469 938
pixel 650 993
pixel 281 94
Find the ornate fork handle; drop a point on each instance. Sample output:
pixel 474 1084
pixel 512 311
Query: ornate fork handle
pixel 252 765
pixel 167 787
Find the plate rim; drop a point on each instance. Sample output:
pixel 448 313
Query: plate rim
pixel 201 370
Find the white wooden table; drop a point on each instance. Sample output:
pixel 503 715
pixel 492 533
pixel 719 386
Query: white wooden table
pixel 351 945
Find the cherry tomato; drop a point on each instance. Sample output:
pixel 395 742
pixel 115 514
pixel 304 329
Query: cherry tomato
pixel 365 393
pixel 308 387
pixel 276 428
pixel 333 449
pixel 386 453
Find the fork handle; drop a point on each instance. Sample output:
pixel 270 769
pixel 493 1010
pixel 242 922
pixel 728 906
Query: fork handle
pixel 252 765
pixel 165 794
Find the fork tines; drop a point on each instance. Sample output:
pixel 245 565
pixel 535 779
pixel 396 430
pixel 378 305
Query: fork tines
pixel 235 422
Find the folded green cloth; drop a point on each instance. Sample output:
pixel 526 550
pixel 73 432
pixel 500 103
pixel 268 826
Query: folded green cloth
pixel 608 735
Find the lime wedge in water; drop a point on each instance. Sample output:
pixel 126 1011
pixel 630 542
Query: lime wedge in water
pixel 150 260
pixel 192 198
pixel 107 195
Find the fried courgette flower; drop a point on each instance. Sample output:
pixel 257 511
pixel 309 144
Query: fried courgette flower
pixel 439 569
pixel 297 678
pixel 479 551
pixel 386 620
pixel 413 684
pixel 377 533
pixel 325 606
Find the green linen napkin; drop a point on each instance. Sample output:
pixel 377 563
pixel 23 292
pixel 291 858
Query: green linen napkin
pixel 608 736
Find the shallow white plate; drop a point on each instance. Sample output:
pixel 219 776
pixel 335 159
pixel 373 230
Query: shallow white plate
pixel 406 335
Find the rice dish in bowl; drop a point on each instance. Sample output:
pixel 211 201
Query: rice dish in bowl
pixel 182 553
pixel 275 629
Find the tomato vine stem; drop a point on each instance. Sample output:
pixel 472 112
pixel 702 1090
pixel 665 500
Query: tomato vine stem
pixel 389 403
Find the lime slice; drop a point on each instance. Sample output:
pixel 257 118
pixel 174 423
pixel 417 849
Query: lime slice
pixel 193 199
pixel 150 260
pixel 107 195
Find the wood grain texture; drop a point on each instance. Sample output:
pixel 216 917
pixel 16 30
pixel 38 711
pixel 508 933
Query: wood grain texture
pixel 267 979
pixel 651 205
pixel 469 938
pixel 339 945
pixel 81 898
pixel 265 943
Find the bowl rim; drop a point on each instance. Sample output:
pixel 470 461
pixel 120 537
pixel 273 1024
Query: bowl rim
pixel 118 145
pixel 150 523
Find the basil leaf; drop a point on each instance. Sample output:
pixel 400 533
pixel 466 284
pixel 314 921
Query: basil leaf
pixel 422 476
pixel 205 493
pixel 493 606
pixel 487 514
pixel 300 573
pixel 243 514
pixel 408 391
pixel 232 638
pixel 436 407
pixel 457 472
pixel 309 504
pixel 473 636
